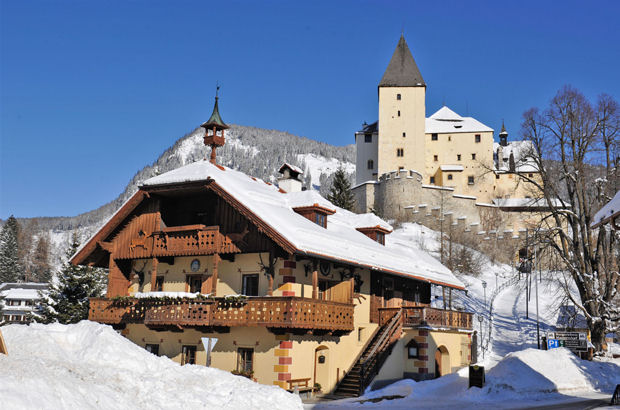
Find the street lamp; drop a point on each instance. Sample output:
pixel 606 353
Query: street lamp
pixel 480 319
pixel 484 287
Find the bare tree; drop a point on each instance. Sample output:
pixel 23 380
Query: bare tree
pixel 575 181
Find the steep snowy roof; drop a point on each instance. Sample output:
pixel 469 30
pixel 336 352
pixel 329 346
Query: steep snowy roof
pixel 522 152
pixel 339 241
pixel 447 121
pixel 609 211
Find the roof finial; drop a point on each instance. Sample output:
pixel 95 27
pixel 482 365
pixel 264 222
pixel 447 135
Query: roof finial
pixel 217 89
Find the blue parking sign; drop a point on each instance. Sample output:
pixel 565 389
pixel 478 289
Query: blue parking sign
pixel 553 343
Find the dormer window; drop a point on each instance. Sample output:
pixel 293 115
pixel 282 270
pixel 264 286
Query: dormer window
pixel 376 233
pixel 315 213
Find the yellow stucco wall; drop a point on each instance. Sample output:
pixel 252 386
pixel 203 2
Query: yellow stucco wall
pixel 391 128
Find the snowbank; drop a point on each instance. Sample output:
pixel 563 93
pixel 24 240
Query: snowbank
pixel 89 365
pixel 523 378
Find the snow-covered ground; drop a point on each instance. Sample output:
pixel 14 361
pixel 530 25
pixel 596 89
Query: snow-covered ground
pixel 90 366
pixel 517 374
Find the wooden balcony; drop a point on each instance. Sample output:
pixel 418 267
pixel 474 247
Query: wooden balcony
pixel 273 312
pixel 191 240
pixel 427 316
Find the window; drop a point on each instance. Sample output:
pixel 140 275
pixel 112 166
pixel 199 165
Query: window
pixel 250 285
pixel 458 157
pixel 470 180
pixel 152 348
pixel 473 156
pixel 188 355
pixel 398 97
pixel 433 137
pixel 432 180
pixel 496 176
pixel 159 284
pixel 399 113
pixel 194 283
pixel 400 152
pixel 404 134
pixel 245 359
pixel 359 334
pixel 367 137
pixel 450 177
pixel 530 175
pixel 371 164
pixel 449 137
pixel 320 219
pixel 412 349
pixel 435 158
pixel 477 138
pixel 401 169
pixel 381 238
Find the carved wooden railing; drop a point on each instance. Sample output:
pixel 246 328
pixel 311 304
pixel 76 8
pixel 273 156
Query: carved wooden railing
pixel 418 315
pixel 191 240
pixel 280 312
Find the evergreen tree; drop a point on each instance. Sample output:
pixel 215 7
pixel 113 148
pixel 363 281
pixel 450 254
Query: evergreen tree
pixel 67 301
pixel 41 271
pixel 340 193
pixel 10 269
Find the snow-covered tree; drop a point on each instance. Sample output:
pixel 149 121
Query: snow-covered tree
pixel 10 269
pixel 67 300
pixel 340 192
pixel 575 181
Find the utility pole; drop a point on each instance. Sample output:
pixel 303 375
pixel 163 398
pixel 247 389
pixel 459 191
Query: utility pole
pixel 527 275
pixel 537 319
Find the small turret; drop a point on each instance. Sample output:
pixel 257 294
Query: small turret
pixel 214 129
pixel 503 136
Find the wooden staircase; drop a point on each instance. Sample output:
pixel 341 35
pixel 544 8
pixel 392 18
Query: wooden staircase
pixel 369 363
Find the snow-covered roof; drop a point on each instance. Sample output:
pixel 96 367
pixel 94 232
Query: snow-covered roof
pixel 308 198
pixel 522 152
pixel 291 167
pixel 451 168
pixel 339 241
pixel 447 121
pixel 368 220
pixel 609 211
pixel 21 294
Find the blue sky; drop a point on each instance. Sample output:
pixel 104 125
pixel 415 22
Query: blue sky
pixel 90 92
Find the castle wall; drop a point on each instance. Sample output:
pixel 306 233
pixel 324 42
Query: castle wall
pixel 365 151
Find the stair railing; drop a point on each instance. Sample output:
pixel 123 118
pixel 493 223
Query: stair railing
pixel 372 362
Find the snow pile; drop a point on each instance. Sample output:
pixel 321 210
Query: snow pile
pixel 89 365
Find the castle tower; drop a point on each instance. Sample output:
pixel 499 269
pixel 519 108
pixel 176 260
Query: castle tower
pixel 402 112
pixel 503 136
pixel 214 130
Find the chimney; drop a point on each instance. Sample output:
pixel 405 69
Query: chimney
pixel 289 181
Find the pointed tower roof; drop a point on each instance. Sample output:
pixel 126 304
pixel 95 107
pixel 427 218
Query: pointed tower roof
pixel 402 70
pixel 503 131
pixel 215 119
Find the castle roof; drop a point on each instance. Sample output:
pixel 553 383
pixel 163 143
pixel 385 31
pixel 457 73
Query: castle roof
pixel 402 71
pixel 446 121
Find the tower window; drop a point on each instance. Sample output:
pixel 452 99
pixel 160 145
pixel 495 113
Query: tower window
pixel 473 156
pixel 477 138
pixel 458 157
pixel 398 97
pixel 449 137
pixel 450 177
pixel 371 164
pixel 404 134
pixel 433 137
pixel 496 176
pixel 367 137
pixel 399 113
pixel 435 158
pixel 432 180
pixel 530 175
pixel 470 180
pixel 400 152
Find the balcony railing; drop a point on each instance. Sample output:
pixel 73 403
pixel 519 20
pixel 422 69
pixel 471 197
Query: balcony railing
pixel 427 316
pixel 191 240
pixel 287 312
